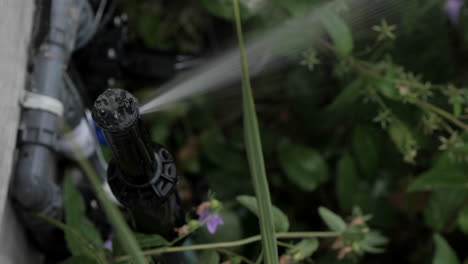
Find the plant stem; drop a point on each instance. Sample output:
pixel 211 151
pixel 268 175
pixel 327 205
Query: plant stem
pixel 260 257
pixel 255 154
pixel 442 113
pixel 237 243
pixel 124 234
pixel 284 244
pixel 416 101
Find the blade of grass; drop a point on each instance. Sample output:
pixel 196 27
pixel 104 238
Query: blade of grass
pixel 124 234
pixel 255 154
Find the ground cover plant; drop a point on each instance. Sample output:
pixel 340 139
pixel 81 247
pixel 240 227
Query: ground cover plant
pixel 354 152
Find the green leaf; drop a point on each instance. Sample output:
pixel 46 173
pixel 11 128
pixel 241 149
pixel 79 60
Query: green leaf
pixel 150 240
pixel 76 219
pixel 373 241
pixel 338 30
pixel 347 96
pixel 304 166
pixel 280 219
pixel 445 174
pixel 442 208
pixel 366 148
pixel 235 260
pixel 333 221
pixel 89 249
pixel 217 150
pixel 253 145
pixel 304 249
pixel 346 182
pixel 444 254
pixel 78 260
pixel 404 139
pixel 386 85
pixel 117 249
pixel 447 178
pixel 462 219
pixel 209 257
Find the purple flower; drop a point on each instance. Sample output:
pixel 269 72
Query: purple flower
pixel 108 244
pixel 213 221
pixel 452 8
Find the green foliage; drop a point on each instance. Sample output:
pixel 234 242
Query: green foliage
pixel 444 254
pixel 304 166
pixel 355 238
pixel 75 219
pixel 373 242
pixel 333 221
pixel 218 151
pixel 310 59
pixel 304 249
pixel 445 174
pixel 377 108
pixel 150 241
pixel 209 257
pixel 280 219
pixel 254 153
pixel 443 207
pixel 338 30
pixel 147 27
pixel 83 246
pixel 124 235
pixel 347 182
pixel 462 220
pixel 385 30
pixel 404 139
pixel 350 94
pixel 167 26
pixel 367 148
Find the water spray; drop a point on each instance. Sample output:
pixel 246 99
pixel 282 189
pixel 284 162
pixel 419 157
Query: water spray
pixel 142 174
pixel 272 50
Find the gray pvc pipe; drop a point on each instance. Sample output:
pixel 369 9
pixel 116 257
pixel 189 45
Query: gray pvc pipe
pixel 34 187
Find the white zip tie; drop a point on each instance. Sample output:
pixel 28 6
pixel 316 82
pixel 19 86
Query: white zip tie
pixel 42 102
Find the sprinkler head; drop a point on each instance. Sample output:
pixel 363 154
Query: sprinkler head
pixel 115 110
pixel 141 174
pixel 139 168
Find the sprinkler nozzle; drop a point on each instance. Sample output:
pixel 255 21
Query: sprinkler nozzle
pixel 142 174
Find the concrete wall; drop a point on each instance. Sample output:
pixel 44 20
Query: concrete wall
pixel 16 18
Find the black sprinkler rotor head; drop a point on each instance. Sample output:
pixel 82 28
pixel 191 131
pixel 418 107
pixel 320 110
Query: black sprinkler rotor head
pixel 115 110
pixel 142 174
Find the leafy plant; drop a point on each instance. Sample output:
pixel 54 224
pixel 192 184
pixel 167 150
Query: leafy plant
pixel 371 117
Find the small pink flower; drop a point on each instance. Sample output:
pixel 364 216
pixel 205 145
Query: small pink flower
pixel 183 230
